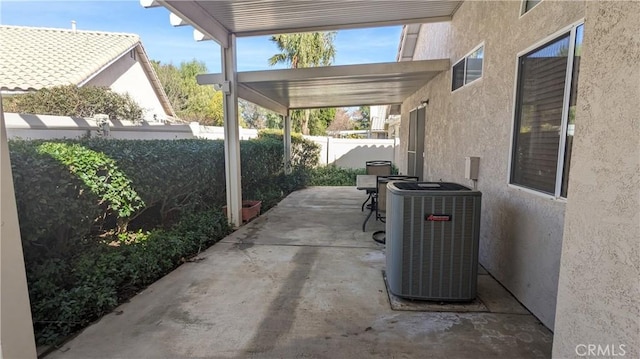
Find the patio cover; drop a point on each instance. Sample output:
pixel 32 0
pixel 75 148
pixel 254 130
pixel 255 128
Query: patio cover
pixel 333 86
pixel 215 20
pixel 281 90
pixel 223 21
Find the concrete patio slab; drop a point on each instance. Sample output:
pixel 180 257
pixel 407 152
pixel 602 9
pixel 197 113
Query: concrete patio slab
pixel 399 303
pixel 302 280
pixel 328 216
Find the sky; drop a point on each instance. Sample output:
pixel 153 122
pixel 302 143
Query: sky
pixel 169 44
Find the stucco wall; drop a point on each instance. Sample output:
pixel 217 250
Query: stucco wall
pixel 127 75
pixel 599 290
pixel 427 48
pixel 521 232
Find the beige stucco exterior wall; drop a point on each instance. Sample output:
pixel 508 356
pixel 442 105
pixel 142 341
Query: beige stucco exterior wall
pixel 428 49
pixel 521 232
pixel 16 329
pixel 126 75
pixel 599 290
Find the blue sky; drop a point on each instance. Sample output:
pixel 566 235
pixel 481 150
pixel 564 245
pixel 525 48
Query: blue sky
pixel 175 44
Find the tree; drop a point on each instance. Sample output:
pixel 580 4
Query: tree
pixel 274 121
pixel 258 117
pixel 192 102
pixel 320 119
pixel 171 81
pixel 311 49
pixel 341 122
pixel 252 114
pixel 362 118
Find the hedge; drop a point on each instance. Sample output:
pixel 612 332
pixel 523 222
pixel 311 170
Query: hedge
pixel 100 219
pixel 71 100
pixel 334 176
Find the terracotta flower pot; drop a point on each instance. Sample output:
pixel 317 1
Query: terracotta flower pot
pixel 250 210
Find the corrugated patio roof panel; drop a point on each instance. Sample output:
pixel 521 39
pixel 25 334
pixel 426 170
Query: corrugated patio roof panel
pixel 266 17
pixel 337 86
pixel 32 58
pixel 251 17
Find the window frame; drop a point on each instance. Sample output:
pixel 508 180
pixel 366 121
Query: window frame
pixel 523 7
pixel 572 30
pixel 464 71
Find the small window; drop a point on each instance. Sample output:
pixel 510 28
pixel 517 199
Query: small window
pixel 474 66
pixel 468 69
pixel 458 75
pixel 545 114
pixel 528 5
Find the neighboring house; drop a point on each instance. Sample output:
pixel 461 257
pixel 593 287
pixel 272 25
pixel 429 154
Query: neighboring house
pixel 545 93
pixel 378 120
pixel 33 58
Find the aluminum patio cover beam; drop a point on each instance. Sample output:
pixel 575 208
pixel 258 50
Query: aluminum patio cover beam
pixel 217 19
pixel 334 86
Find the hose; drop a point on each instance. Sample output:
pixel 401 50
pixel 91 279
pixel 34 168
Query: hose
pixel 379 236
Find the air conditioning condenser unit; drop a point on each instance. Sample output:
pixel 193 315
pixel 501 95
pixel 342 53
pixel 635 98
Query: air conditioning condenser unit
pixel 432 235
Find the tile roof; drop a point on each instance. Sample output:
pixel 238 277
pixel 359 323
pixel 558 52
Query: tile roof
pixel 32 58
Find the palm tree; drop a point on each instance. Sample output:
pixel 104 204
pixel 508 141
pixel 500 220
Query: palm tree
pixel 310 49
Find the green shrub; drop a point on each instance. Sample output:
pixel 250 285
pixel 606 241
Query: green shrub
pixel 76 101
pixel 55 209
pixel 169 176
pixel 100 175
pixel 66 188
pixel 337 176
pixel 334 176
pixel 305 155
pixel 76 197
pixel 69 294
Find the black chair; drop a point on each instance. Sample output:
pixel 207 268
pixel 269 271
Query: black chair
pixel 381 193
pixel 379 197
pixel 378 168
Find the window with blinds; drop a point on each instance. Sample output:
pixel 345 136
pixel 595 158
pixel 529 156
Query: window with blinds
pixel 545 114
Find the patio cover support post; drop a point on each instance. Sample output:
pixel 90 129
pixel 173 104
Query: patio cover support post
pixel 16 328
pixel 231 133
pixel 287 143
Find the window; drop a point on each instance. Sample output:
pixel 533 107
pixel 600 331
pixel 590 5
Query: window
pixel 545 114
pixel 528 5
pixel 468 69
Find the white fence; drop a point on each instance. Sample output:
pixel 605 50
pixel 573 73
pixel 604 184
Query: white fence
pixel 352 153
pixel 349 153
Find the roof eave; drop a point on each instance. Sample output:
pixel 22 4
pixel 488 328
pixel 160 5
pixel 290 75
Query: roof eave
pixel 155 81
pixel 106 66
